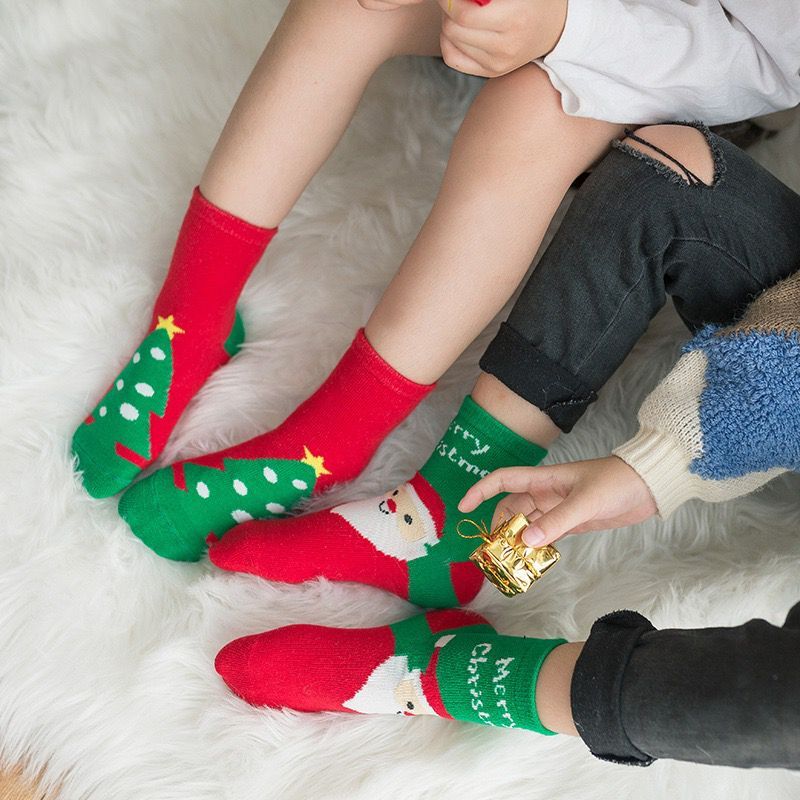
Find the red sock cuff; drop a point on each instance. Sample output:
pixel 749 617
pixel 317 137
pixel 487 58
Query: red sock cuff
pixel 368 357
pixel 204 209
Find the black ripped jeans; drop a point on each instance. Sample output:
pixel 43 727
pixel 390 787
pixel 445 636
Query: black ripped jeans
pixel 636 232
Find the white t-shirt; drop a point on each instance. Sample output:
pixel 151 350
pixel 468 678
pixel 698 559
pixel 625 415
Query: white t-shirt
pixel 648 61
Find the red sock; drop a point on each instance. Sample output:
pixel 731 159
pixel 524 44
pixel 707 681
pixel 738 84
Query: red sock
pixel 343 422
pixel 312 668
pixel 328 439
pixel 450 664
pixel 214 256
pixel 194 330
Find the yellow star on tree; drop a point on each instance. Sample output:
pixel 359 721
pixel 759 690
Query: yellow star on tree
pixel 317 463
pixel 168 324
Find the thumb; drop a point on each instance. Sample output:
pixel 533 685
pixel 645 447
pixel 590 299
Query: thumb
pixel 552 525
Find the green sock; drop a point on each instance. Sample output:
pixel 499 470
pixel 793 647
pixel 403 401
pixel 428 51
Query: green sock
pixel 474 445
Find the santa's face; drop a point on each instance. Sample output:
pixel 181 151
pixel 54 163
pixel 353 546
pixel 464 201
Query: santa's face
pixel 391 689
pixel 399 505
pixel 398 524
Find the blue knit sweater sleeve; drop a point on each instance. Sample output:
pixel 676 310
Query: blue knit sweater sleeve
pixel 727 417
pixel 749 411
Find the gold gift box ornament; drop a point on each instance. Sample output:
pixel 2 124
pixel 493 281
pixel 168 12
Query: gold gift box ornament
pixel 505 559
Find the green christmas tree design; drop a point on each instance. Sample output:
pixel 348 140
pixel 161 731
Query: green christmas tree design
pixel 194 499
pixel 236 493
pixel 116 436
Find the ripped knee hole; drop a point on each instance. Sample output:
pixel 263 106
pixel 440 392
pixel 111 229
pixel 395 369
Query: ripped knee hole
pixel 681 152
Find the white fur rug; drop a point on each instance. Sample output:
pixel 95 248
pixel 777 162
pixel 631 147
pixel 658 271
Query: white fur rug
pixel 108 111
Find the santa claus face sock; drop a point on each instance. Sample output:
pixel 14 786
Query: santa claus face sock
pixel 404 541
pixel 452 664
pixel 329 438
pixel 194 330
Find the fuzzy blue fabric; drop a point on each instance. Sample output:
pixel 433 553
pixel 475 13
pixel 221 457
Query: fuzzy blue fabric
pixel 750 408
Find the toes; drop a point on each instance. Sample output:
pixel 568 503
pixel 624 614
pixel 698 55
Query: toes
pixel 231 552
pixel 233 665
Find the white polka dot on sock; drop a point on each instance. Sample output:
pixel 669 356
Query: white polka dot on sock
pixel 239 487
pixel 144 389
pixel 136 358
pixel 120 383
pixel 157 353
pixel 270 475
pixel 202 489
pixel 275 508
pixel 298 484
pixel 103 411
pixel 241 516
pixel 129 412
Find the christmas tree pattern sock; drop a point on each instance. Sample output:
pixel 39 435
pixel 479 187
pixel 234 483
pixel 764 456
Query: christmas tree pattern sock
pixel 450 663
pixel 193 331
pixel 329 438
pixel 404 541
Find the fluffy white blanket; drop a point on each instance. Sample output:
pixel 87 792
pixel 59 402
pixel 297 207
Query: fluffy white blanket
pixel 108 113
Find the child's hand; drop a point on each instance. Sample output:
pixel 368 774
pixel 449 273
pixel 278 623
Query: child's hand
pixel 501 36
pixel 567 498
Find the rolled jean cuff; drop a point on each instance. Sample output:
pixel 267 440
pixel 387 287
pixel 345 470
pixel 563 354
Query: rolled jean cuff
pixel 597 686
pixel 535 377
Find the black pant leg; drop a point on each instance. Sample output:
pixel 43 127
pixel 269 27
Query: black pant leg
pixel 733 240
pixel 728 696
pixel 632 236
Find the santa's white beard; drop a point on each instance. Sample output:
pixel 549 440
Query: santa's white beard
pixel 379 694
pixel 380 528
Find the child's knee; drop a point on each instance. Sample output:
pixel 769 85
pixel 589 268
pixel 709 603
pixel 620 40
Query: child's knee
pixel 686 151
pixel 526 95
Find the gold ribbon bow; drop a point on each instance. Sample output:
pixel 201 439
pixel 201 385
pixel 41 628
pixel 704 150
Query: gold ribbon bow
pixel 481 527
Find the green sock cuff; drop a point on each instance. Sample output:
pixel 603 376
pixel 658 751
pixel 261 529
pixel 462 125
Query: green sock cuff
pixel 517 448
pixel 491 679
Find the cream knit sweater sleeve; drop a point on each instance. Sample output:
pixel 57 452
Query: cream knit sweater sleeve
pixel 727 417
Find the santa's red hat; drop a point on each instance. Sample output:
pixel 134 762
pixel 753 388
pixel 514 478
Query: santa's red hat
pixel 430 687
pixel 430 499
pixel 446 619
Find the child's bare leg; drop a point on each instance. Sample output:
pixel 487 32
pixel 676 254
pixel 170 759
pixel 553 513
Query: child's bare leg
pixel 514 411
pixel 290 115
pixel 553 688
pixel 300 98
pixel 511 164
